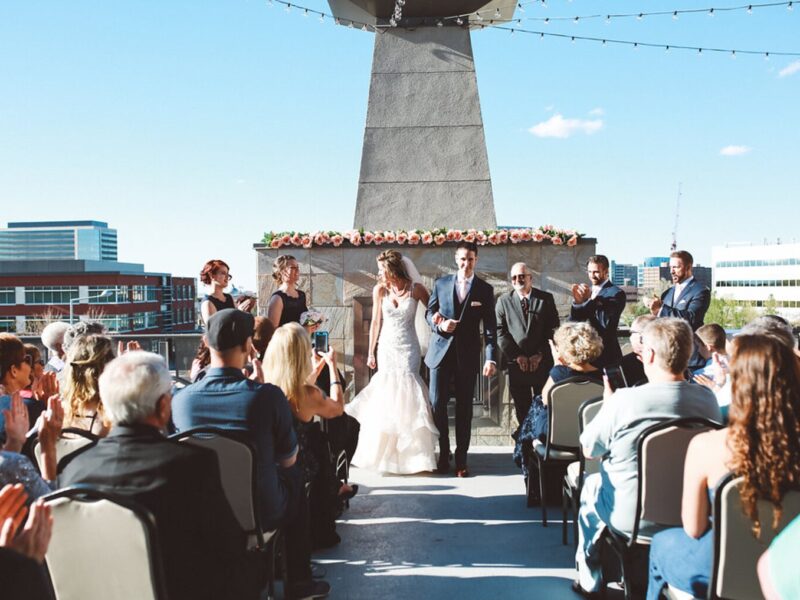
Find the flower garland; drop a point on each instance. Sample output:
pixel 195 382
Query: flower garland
pixel 424 237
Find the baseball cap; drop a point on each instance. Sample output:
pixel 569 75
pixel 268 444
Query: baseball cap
pixel 229 328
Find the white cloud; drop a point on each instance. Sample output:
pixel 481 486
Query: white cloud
pixel 735 150
pixel 559 127
pixel 790 69
pixel 549 108
pixel 597 112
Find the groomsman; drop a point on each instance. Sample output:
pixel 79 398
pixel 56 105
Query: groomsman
pixel 526 319
pixel 600 305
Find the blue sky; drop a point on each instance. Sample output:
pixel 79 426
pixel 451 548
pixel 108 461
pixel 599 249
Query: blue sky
pixel 193 127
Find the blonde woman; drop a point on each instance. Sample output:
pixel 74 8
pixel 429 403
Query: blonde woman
pixel 288 365
pixel 398 434
pixel 287 303
pixel 86 359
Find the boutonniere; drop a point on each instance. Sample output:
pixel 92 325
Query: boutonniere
pixel 475 303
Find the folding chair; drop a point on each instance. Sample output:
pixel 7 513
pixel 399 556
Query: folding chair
pixel 238 472
pixel 577 471
pixel 661 450
pixel 71 441
pixel 562 446
pixel 98 533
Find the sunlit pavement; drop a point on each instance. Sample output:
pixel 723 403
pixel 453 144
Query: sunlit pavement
pixel 433 536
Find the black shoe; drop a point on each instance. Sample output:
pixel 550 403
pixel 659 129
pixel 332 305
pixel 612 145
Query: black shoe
pixel 576 587
pixel 443 467
pixel 349 495
pixel 307 590
pixel 318 572
pixel 326 541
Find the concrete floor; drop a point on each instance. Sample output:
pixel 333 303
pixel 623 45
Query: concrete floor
pixel 431 536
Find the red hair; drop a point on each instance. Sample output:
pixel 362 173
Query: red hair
pixel 210 268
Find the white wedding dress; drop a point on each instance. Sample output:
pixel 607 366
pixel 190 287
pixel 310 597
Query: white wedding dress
pixel 397 430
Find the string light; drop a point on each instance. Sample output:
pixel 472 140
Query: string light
pixel 497 13
pixel 520 7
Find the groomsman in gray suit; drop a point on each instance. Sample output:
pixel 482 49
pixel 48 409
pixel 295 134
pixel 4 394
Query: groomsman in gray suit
pixel 526 319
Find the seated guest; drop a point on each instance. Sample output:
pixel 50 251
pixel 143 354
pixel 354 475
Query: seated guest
pixel 15 376
pixel 53 340
pixel 227 399
pixel 712 341
pixel 23 547
pixel 760 443
pixel 202 545
pixel 86 358
pixel 264 330
pixel 43 385
pixel 608 498
pixel 80 329
pixel 631 363
pixel 288 365
pixel 200 362
pixel 777 570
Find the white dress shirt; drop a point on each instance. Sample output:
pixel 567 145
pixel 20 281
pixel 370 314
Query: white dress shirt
pixel 461 289
pixel 679 287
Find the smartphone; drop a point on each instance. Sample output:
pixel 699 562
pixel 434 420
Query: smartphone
pixel 320 341
pixel 615 377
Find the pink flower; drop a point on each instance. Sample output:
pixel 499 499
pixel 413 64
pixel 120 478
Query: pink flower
pixel 458 235
pixel 319 238
pixel 493 238
pixel 378 239
pixel 414 238
pixel 538 236
pixel 402 237
pixel 525 235
pixel 515 236
pixel 368 237
pixel 390 236
pixel 355 238
pixel 557 241
pixel 440 239
pixel 470 236
pixel 286 238
pixel 502 236
pixel 427 237
pixel 337 240
pixel 480 237
pixel 307 241
pixel 573 241
pixel 297 240
pixel 275 243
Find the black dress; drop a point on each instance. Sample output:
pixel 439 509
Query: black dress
pixel 292 307
pixel 219 304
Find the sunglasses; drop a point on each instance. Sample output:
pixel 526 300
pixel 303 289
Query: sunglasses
pixel 28 359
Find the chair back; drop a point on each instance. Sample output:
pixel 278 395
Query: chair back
pixel 662 454
pixel 586 413
pixel 237 466
pixel 103 546
pixel 70 441
pixel 736 549
pixel 564 400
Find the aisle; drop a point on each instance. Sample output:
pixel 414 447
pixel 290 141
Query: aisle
pixel 436 537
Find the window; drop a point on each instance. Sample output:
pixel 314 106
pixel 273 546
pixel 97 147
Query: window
pixel 773 262
pixel 8 325
pixel 119 294
pixel 138 321
pixel 50 295
pixel 144 293
pixel 117 323
pixel 7 296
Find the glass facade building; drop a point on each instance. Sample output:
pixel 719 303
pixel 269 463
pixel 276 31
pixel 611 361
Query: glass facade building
pixel 58 240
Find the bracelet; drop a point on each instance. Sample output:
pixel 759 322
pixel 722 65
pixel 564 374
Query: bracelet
pixel 336 383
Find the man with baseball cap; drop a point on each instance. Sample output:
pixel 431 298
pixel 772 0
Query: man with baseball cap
pixel 228 399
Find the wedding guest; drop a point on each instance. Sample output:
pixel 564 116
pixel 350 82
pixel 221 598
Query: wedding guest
pixel 42 385
pixel 712 341
pixel 287 364
pixel 287 303
pixel 631 363
pixel 264 330
pixel 87 357
pixel 216 275
pixel 53 340
pixel 80 329
pixel 761 443
pixel 15 375
pixel 202 359
pixel 777 570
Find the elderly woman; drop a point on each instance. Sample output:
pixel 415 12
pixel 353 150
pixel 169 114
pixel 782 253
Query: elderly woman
pixel 86 359
pixel 575 346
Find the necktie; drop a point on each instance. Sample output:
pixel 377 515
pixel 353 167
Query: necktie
pixel 525 308
pixel 462 289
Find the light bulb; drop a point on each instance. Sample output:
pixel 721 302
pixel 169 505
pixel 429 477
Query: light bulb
pixel 608 19
pixel 519 6
pixel 575 20
pixel 497 13
pixel 710 12
pixel 288 8
pixel 439 23
pixel 640 16
pixel 675 15
pixel 750 9
pixel 790 6
pixel 666 49
pixel 766 56
pixel 305 12
pixel 322 18
pixel 547 21
pixel 478 16
pixel 459 21
pixel 733 53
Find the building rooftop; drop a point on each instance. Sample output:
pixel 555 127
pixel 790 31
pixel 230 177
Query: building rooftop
pixel 34 224
pixel 39 267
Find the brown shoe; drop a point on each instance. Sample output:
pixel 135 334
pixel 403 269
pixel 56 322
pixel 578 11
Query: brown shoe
pixel 462 472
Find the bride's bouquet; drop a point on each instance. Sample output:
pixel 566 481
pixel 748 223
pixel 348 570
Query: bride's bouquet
pixel 312 317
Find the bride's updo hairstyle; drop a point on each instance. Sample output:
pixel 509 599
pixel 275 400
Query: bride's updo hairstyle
pixel 279 265
pixel 287 361
pixel 393 265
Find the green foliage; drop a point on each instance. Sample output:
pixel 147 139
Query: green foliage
pixel 728 313
pixel 633 310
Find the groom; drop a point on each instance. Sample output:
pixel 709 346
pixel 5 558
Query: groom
pixel 456 307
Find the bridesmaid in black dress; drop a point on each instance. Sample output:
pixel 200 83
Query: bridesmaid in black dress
pixel 287 303
pixel 215 274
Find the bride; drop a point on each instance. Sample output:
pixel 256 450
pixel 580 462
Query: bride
pixel 397 430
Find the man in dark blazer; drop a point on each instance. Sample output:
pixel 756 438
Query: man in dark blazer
pixel 457 306
pixel 687 299
pixel 600 305
pixel 202 544
pixel 526 320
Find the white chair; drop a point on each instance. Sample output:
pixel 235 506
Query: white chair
pixel 71 441
pixel 104 547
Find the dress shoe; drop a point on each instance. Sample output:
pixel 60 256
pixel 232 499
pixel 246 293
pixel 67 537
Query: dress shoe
pixel 349 495
pixel 308 590
pixel 462 472
pixel 443 467
pixel 576 587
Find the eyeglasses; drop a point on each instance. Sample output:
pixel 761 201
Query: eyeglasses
pixel 521 277
pixel 227 276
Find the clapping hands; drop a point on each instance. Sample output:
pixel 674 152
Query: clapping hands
pixel 581 293
pixel 131 346
pixel 33 539
pixel 17 425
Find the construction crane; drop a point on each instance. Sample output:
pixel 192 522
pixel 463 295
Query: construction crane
pixel 674 245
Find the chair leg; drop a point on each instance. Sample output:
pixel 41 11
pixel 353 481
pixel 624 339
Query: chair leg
pixel 564 496
pixel 574 500
pixel 543 500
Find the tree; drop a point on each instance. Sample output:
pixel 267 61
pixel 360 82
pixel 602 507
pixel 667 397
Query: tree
pixel 728 313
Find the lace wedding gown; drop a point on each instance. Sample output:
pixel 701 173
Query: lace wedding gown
pixel 397 430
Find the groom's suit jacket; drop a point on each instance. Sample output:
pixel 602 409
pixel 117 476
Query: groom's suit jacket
pixel 466 339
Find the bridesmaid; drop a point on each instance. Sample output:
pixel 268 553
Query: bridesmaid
pixel 287 303
pixel 215 274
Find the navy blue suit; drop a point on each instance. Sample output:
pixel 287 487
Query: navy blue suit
pixel 691 306
pixel 603 312
pixel 456 356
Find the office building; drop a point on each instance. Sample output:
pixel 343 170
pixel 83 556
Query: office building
pixel 760 275
pixel 622 274
pixel 58 240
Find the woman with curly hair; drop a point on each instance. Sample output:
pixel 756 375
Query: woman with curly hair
pixel 287 303
pixel 86 359
pixel 761 444
pixel 215 275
